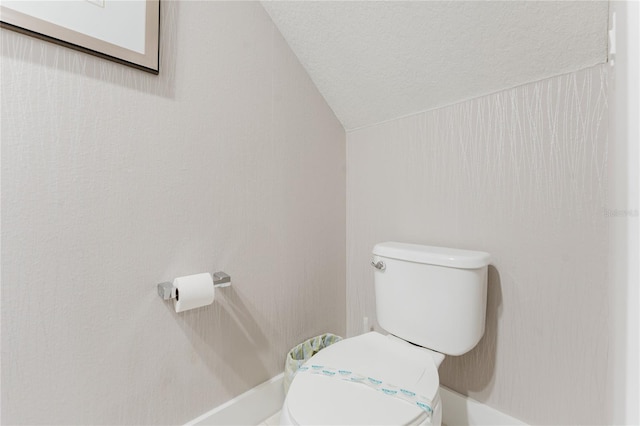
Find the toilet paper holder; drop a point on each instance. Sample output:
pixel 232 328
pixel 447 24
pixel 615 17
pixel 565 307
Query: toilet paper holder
pixel 167 291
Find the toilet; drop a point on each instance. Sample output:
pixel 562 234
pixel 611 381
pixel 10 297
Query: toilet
pixel 432 302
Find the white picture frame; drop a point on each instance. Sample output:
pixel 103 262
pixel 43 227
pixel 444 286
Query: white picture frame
pixel 127 32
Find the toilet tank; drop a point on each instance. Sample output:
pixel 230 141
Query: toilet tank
pixel 434 297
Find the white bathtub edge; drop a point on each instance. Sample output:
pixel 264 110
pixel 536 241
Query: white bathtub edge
pixel 460 410
pixel 266 399
pixel 250 408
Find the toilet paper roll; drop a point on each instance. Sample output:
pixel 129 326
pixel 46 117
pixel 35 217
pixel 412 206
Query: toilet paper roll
pixel 193 291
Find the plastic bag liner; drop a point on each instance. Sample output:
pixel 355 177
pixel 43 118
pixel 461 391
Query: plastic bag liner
pixel 302 352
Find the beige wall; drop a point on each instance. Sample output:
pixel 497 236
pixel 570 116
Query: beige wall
pixel 520 174
pixel 114 180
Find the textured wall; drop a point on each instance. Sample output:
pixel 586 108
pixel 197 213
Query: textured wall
pixel 379 60
pixel 519 174
pixel 114 180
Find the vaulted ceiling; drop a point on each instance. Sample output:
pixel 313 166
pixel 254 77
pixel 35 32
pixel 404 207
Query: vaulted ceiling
pixel 378 60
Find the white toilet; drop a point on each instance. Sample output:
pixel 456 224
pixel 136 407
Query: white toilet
pixel 432 301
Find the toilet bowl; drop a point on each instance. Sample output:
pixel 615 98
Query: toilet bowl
pixel 327 390
pixel 432 301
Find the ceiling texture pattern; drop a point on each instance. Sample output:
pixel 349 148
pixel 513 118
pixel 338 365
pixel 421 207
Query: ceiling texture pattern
pixel 374 61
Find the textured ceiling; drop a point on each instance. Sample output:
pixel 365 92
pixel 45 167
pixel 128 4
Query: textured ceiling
pixel 375 61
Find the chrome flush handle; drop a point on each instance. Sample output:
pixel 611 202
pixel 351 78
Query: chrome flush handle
pixel 379 265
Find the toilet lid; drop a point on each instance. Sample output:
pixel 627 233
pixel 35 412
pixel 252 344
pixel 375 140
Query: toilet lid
pixel 322 399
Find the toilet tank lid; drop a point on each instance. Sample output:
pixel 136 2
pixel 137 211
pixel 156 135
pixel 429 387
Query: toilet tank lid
pixel 441 256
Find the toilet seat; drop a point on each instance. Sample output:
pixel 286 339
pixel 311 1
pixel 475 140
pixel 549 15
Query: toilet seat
pixel 327 400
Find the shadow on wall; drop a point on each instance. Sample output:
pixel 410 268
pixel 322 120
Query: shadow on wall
pixel 475 370
pixel 227 340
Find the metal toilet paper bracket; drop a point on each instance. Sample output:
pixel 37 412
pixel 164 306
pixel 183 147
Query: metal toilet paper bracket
pixel 167 291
